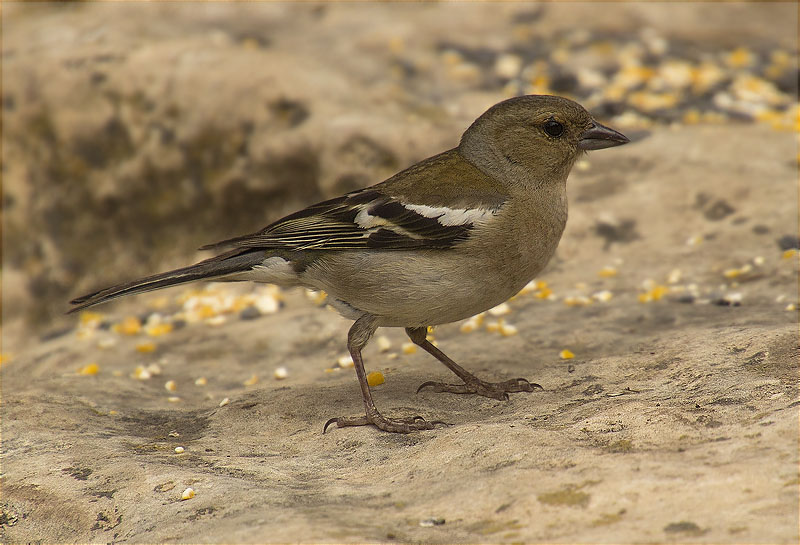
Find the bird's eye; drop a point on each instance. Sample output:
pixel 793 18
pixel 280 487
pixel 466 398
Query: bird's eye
pixel 553 128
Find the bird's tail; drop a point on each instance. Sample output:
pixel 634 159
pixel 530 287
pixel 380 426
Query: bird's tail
pixel 222 265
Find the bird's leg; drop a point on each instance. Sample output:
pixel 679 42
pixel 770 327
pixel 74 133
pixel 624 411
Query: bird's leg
pixel 472 384
pixel 357 338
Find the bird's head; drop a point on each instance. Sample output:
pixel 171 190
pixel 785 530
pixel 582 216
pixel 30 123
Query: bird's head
pixel 539 133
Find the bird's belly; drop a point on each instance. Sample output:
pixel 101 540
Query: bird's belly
pixel 411 289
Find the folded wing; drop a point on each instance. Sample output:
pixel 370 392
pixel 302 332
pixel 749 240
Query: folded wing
pixel 366 219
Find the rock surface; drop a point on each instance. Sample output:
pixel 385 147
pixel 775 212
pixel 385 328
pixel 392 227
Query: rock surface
pixel 675 421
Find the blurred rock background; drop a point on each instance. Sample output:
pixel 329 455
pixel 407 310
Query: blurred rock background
pixel 134 133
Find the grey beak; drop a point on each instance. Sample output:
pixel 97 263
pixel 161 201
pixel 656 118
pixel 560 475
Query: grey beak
pixel 599 137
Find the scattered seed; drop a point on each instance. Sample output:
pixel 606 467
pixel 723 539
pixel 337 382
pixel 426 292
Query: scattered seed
pixel 146 348
pixel 603 296
pixel 500 310
pixel 159 329
pixel 674 276
pixel 408 348
pixel 566 354
pixel 202 381
pixel 216 320
pixel 170 386
pixel 281 373
pixel 384 344
pixel 607 272
pixel 507 330
pixel 129 326
pixel 141 373
pixel 252 380
pixel 375 378
pixel 187 494
pixel 472 324
pixel 224 402
pixel 89 369
pixel 179 450
pixel 345 361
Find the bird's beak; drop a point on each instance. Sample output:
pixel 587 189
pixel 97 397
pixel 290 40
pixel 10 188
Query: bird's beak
pixel 599 137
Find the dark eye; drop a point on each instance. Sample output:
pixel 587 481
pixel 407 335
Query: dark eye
pixel 553 128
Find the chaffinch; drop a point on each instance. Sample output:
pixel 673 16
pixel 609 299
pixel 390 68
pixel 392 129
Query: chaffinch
pixel 443 240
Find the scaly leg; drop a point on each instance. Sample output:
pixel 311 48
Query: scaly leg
pixel 357 339
pixel 472 384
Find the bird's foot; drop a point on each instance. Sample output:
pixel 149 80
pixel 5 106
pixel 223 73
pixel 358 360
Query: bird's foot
pixel 393 425
pixel 494 390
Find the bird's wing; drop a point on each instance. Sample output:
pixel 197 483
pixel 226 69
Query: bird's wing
pixel 369 218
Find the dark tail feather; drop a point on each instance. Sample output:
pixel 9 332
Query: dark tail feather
pixel 221 265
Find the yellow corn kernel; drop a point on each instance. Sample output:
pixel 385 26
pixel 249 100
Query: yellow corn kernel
pixel 129 326
pixel 788 254
pixel 90 319
pixel 145 348
pixel 740 58
pixel 607 272
pixel 252 380
pixel 281 373
pixel 530 287
pixel 158 329
pixel 141 373
pixel 603 296
pixel 469 326
pixel 507 330
pixel 179 450
pixel 202 381
pixel 170 385
pixel 658 292
pixel 205 311
pixel 409 348
pixel 500 310
pixel 216 320
pixel 187 494
pixel 544 293
pixel 566 354
pixel 345 361
pixel 90 369
pixel 384 344
pixel 375 378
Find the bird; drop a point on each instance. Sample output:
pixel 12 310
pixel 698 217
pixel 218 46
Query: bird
pixel 443 240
